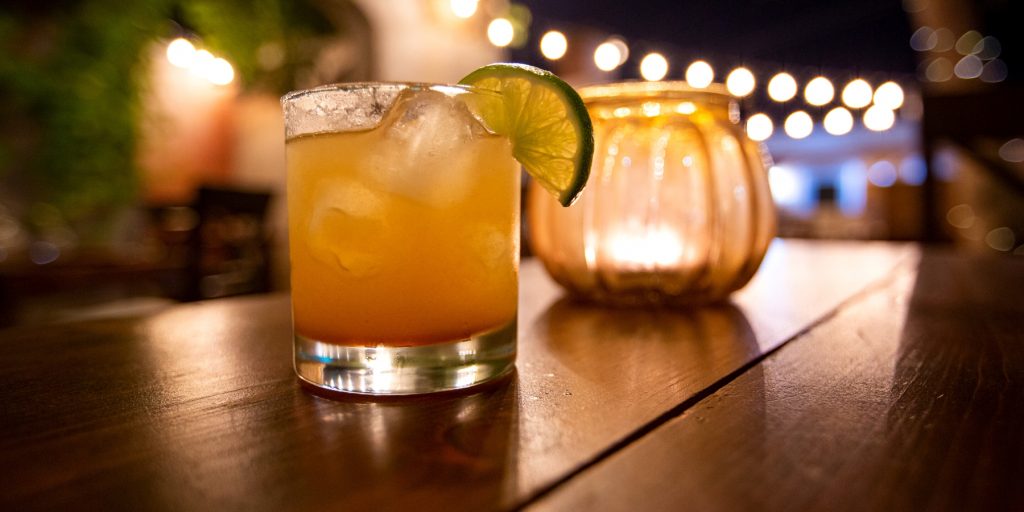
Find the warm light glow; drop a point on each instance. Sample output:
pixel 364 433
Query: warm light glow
pixel 500 32
pixel 202 63
pixel 879 118
pixel 838 121
pixel 819 91
pixel 799 125
pixel 857 93
pixel 759 127
pixel 606 57
pixel 220 72
pixel 181 53
pixel 653 67
pixel 699 74
pixel 644 249
pixel 464 8
pixel 554 45
pixel 782 87
pixel 740 82
pixel 889 95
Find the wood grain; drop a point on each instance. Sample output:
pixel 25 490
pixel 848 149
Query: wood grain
pixel 197 407
pixel 907 399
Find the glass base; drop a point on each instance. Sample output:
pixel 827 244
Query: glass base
pixel 408 370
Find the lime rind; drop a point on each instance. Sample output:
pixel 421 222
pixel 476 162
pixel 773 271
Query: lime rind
pixel 545 119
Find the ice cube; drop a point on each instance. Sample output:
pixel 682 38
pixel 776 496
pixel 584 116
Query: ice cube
pixel 490 245
pixel 346 226
pixel 338 109
pixel 427 151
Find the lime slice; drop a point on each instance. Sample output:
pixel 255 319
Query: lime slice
pixel 545 120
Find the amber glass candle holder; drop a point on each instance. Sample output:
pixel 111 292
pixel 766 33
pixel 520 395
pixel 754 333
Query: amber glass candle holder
pixel 677 210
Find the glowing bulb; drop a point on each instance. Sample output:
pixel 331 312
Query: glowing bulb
pixel 606 57
pixel 181 53
pixel 759 127
pixel 838 121
pixel 740 82
pixel 799 125
pixel 554 45
pixel 500 32
pixel 889 95
pixel 653 67
pixel 220 72
pixel 782 87
pixel 202 63
pixel 857 94
pixel 819 91
pixel 463 8
pixel 699 74
pixel 879 119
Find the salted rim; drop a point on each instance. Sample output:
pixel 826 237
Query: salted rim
pixel 448 89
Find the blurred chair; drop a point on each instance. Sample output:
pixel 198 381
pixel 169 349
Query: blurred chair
pixel 228 251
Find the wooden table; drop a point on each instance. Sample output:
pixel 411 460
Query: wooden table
pixel 846 376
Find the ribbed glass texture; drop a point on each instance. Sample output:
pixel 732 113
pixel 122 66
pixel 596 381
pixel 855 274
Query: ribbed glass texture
pixel 677 208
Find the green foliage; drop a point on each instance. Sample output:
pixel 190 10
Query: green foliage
pixel 70 80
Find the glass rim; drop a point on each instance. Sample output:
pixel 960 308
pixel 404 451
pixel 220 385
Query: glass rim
pixel 648 90
pixel 447 89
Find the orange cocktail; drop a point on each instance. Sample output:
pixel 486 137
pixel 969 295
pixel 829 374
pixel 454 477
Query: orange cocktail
pixel 403 226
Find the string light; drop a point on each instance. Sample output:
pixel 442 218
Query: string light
pixel 653 67
pixel 740 82
pixel 782 87
pixel 699 74
pixel 500 32
pixel 838 121
pixel 799 125
pixel 554 45
pixel 759 127
pixel 819 91
pixel 463 8
pixel 857 93
pixel 181 53
pixel 879 119
pixel 889 95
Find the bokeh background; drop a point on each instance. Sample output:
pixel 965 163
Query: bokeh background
pixel 142 150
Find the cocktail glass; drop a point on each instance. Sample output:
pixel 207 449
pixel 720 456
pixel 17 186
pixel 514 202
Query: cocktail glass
pixel 404 238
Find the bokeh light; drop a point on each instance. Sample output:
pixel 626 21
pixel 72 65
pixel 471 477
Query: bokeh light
pixel 463 8
pixel 968 67
pixel 782 87
pixel 699 74
pixel 759 127
pixel 653 67
pixel 967 42
pixel 994 71
pixel 500 32
pixel 838 121
pixel 181 53
pixel 740 82
pixel 1012 151
pixel 857 93
pixel 882 174
pixel 878 118
pixel 610 54
pixel 923 39
pixel 799 125
pixel 938 69
pixel 220 72
pixel 889 95
pixel 819 91
pixel 554 45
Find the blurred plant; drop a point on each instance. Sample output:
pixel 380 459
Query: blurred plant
pixel 70 79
